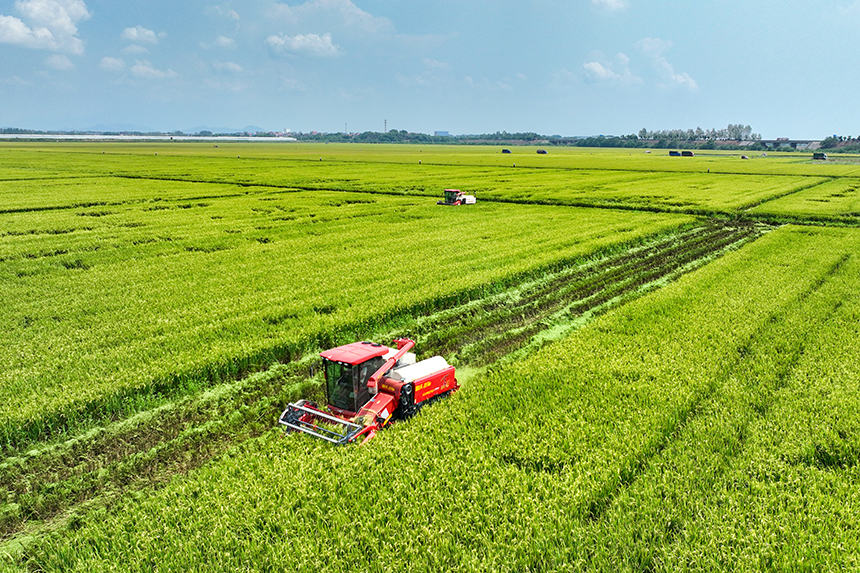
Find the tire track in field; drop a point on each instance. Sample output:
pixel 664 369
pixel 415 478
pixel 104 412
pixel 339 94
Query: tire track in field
pixel 50 484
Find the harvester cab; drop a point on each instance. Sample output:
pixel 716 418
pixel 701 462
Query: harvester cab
pixel 455 197
pixel 369 385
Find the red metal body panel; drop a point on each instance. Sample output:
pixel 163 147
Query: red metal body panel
pixel 391 386
pixel 379 410
pixel 435 384
pixel 355 352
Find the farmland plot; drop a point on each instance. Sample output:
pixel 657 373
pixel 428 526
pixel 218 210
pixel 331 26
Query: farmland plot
pixel 837 200
pixel 44 482
pixel 59 193
pixel 92 158
pixel 103 301
pixel 565 182
pixel 552 461
pixel 144 284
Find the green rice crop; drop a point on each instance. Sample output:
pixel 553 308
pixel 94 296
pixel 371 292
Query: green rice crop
pixel 573 178
pixel 836 200
pixel 710 424
pixel 595 453
pixel 105 300
pixel 89 158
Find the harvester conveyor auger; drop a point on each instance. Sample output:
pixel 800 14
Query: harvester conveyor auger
pixel 367 386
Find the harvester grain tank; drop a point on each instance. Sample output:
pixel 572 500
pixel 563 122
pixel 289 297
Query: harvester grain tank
pixel 368 386
pixel 454 197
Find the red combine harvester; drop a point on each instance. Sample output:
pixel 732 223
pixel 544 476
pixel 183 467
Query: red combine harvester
pixel 367 386
pixel 457 197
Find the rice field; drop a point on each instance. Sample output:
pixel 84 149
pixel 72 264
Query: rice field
pixel 656 374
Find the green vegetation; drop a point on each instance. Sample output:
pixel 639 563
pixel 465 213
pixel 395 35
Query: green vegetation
pixel 103 301
pixel 600 451
pixel 654 377
pixel 836 200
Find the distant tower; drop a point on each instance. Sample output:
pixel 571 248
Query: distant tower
pixel 386 127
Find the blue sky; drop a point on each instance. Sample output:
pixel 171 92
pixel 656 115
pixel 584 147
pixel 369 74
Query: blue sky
pixel 788 68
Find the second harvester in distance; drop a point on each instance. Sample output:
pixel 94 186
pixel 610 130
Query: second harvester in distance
pixel 457 197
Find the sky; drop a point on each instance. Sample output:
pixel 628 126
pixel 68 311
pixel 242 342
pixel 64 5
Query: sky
pixel 787 68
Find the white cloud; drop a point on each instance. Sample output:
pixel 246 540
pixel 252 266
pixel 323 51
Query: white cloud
pixel 611 5
pixel 112 64
pixel 618 70
pixel 340 14
pixel 144 70
pixel 59 62
pixel 219 11
pixel 599 71
pixel 303 43
pixel 227 67
pixel 654 48
pixel 50 25
pixel 225 42
pixel 233 86
pixel 16 81
pixel 435 64
pixel 414 80
pixel 135 49
pixel 142 35
pixel 219 42
pixel 487 84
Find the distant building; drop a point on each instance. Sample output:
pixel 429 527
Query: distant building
pixel 441 133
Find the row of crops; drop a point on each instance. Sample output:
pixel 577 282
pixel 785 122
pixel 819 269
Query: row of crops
pixel 710 185
pixel 45 483
pixel 140 301
pixel 709 425
pixel 165 302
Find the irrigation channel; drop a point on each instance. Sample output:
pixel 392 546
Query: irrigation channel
pixel 48 485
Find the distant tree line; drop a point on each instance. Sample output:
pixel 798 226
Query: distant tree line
pixel 403 136
pixel 678 138
pixel 841 144
pixel 732 132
